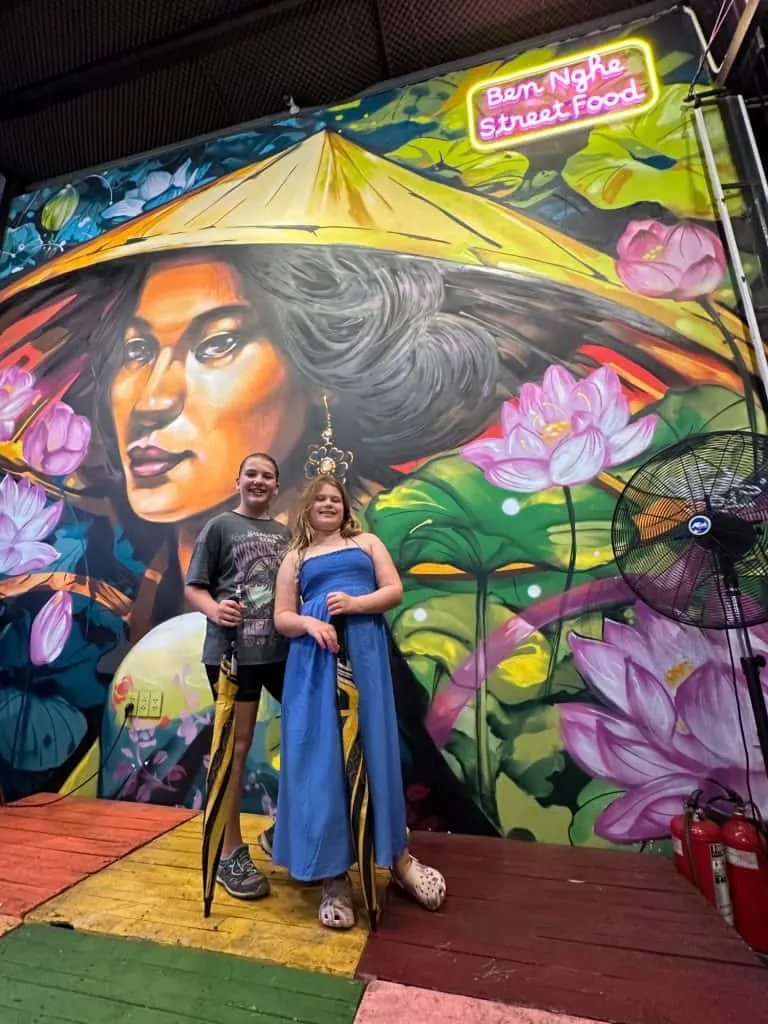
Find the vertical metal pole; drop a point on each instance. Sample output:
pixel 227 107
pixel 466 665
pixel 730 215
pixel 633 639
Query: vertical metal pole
pixel 733 248
pixel 753 146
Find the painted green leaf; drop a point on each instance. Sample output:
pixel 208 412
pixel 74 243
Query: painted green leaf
pixel 532 752
pixel 499 174
pixel 420 103
pixel 447 514
pixel 593 799
pixel 700 410
pixel 520 813
pixel 670 62
pixel 653 158
pixel 38 733
pixel 439 633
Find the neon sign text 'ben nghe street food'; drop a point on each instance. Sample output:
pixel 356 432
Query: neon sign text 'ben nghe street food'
pixel 604 84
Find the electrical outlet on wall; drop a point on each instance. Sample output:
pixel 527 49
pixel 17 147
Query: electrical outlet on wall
pixel 147 703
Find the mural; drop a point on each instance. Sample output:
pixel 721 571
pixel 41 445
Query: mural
pixel 502 331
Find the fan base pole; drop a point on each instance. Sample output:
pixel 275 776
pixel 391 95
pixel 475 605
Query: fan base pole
pixel 752 666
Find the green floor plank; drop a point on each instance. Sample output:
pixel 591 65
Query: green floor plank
pixel 25 1017
pixel 53 974
pixel 214 965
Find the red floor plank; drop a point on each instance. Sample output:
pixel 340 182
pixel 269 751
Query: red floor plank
pixel 614 936
pixel 46 847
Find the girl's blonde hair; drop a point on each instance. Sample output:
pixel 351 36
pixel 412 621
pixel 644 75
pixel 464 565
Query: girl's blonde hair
pixel 303 532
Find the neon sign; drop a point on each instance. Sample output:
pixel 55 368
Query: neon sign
pixel 609 83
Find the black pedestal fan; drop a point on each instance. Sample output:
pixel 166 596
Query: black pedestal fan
pixel 690 537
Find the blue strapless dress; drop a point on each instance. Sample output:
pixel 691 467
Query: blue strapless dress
pixel 312 836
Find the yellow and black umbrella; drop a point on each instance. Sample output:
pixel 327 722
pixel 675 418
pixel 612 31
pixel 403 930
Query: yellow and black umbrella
pixel 219 795
pixel 360 810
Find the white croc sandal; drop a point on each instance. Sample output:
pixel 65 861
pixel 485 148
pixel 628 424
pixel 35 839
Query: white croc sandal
pixel 425 885
pixel 336 908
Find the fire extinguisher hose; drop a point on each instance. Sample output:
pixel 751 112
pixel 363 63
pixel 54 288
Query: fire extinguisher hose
pixel 690 807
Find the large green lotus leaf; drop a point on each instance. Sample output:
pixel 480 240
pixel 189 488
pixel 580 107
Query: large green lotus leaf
pixel 532 752
pixel 653 158
pixel 517 590
pixel 521 816
pixel 439 633
pixel 499 174
pixel 701 410
pixel 447 514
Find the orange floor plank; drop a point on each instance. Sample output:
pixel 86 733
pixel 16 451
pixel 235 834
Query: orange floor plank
pixel 47 846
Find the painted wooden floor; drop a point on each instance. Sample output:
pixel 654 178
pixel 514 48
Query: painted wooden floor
pixel 46 847
pixel 52 975
pixel 155 894
pixel 590 933
pixel 384 1003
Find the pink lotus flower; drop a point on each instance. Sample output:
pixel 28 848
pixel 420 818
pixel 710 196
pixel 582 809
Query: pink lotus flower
pixel 17 393
pixel 562 433
pixel 50 629
pixel 24 521
pixel 57 442
pixel 680 262
pixel 670 725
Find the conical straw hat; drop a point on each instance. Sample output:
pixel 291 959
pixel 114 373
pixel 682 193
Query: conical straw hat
pixel 328 190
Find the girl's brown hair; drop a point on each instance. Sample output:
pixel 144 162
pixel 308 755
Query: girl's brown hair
pixel 303 532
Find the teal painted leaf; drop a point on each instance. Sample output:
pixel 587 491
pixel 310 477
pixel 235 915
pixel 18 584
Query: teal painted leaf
pixel 38 733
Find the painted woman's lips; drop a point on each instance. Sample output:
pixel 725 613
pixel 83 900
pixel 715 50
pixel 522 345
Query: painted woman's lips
pixel 151 461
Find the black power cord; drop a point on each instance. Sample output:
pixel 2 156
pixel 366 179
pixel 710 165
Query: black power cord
pixel 129 711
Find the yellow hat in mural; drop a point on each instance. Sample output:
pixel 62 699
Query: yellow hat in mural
pixel 328 190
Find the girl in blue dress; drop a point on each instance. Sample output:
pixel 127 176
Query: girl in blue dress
pixel 332 569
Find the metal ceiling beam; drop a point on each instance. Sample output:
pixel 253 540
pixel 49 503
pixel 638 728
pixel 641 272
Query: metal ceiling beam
pixel 741 36
pixel 131 64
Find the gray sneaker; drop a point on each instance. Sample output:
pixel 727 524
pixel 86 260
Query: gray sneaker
pixel 266 839
pixel 240 876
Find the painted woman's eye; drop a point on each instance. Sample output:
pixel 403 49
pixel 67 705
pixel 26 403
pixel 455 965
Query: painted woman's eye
pixel 138 352
pixel 216 346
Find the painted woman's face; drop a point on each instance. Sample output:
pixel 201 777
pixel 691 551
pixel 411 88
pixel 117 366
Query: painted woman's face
pixel 200 386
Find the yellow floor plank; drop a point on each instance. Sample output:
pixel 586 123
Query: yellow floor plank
pixel 7 923
pixel 155 894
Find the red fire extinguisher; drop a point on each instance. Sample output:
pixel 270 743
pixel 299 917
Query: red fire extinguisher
pixel 746 852
pixel 700 855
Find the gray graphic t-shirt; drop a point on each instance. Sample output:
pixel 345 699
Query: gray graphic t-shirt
pixel 236 554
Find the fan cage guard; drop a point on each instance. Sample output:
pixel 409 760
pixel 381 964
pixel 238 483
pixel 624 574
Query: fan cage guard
pixel 690 531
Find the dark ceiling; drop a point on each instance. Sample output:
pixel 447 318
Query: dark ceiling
pixel 87 82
